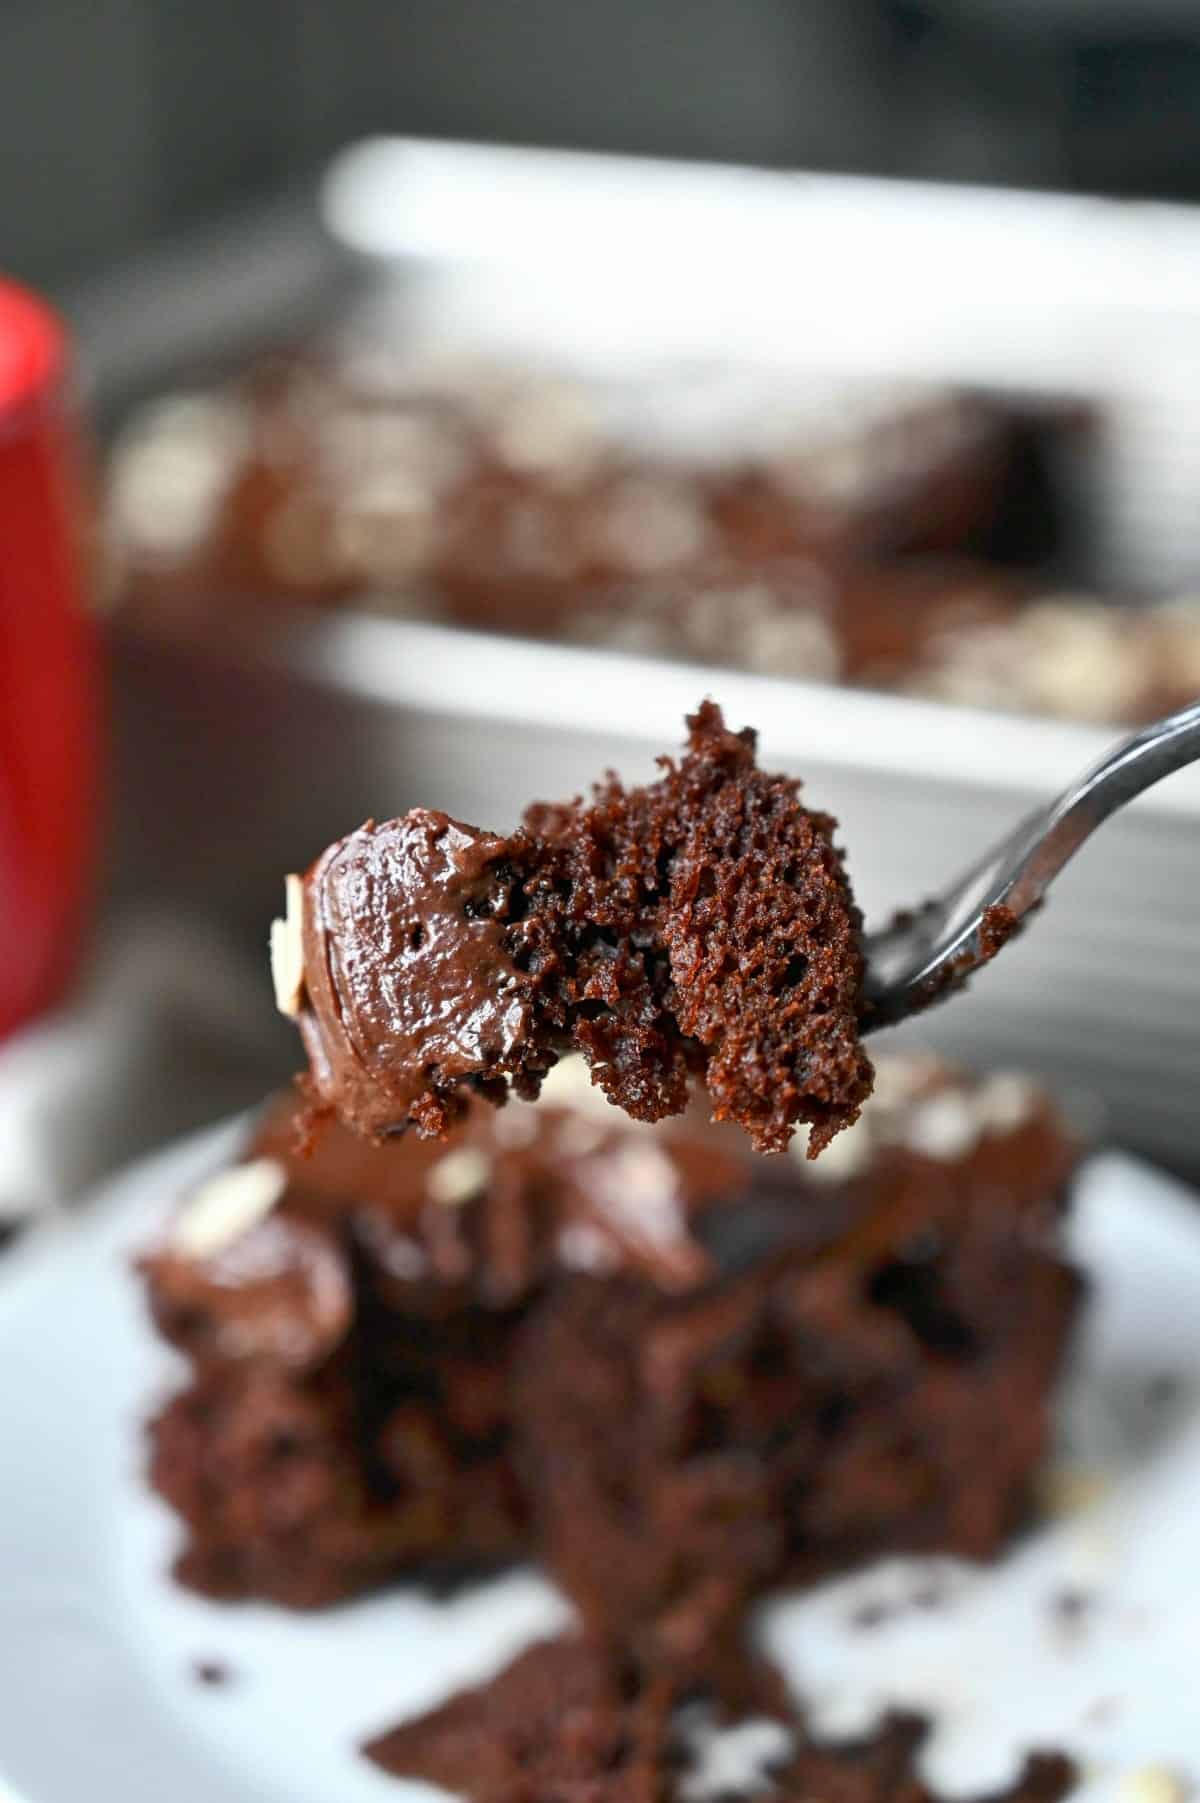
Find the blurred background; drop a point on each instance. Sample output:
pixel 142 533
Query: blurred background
pixel 420 453
pixel 132 118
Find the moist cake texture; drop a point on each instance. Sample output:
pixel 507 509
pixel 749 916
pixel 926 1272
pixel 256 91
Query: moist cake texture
pixel 623 1351
pixel 698 926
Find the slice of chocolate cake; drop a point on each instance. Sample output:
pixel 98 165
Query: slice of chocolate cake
pixel 624 1351
pixel 701 924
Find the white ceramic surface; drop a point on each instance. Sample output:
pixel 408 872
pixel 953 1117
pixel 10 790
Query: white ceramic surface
pixel 98 1697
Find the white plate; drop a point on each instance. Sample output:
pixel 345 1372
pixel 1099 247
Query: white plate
pixel 99 1700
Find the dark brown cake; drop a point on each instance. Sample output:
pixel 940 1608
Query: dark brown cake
pixel 702 923
pixel 565 1724
pixel 623 1350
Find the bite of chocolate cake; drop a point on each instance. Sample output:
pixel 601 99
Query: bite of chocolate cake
pixel 700 926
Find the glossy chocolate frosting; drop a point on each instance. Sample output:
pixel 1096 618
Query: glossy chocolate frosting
pixel 411 987
pixel 571 1186
pixel 279 1293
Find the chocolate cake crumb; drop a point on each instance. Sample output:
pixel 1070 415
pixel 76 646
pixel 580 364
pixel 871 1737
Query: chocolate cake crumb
pixel 998 925
pixel 211 1672
pixel 699 926
pixel 930 1594
pixel 566 1721
pixel 1070 1610
pixel 871 1615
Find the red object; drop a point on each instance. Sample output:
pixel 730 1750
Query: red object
pixel 48 667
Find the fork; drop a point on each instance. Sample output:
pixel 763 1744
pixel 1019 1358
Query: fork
pixel 923 956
